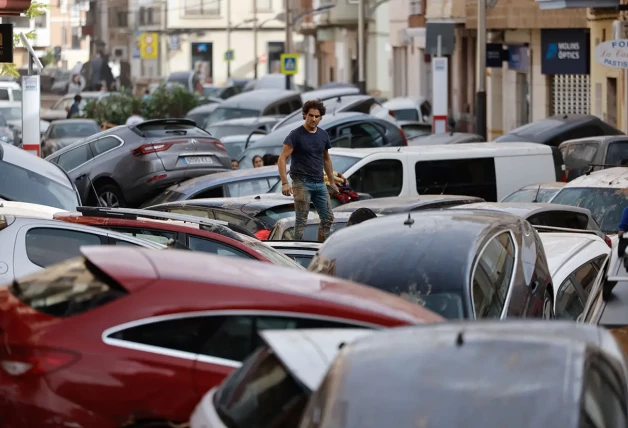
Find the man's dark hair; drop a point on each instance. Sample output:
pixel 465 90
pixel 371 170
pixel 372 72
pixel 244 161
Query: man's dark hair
pixel 360 215
pixel 316 105
pixel 77 98
pixel 270 159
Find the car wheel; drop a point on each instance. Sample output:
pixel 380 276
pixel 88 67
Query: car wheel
pixel 548 305
pixel 110 195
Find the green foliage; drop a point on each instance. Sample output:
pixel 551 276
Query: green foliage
pixel 163 103
pixel 49 58
pixel 33 11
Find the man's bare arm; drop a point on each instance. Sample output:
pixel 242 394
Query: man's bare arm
pixel 286 152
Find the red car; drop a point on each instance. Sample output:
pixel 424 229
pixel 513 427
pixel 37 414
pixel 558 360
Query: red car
pixel 128 336
pixel 185 236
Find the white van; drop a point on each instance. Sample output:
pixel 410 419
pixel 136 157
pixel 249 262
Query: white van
pixel 10 91
pixel 488 170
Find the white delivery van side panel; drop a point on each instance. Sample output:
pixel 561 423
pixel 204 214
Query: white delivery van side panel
pixel 514 172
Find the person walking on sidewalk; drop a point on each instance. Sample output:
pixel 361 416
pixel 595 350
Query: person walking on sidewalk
pixel 308 145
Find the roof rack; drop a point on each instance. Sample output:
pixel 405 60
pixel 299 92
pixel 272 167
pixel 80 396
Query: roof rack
pixel 216 226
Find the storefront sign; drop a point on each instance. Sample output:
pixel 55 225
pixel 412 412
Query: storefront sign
pixel 519 58
pixel 494 55
pixel 565 51
pixel 613 53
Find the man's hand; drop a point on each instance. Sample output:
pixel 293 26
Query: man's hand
pixel 286 189
pixel 334 187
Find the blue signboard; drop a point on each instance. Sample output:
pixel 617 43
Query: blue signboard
pixel 565 51
pixel 519 58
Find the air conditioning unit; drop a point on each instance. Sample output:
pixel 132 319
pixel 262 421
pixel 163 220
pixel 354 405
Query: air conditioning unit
pixel 120 53
pixel 620 30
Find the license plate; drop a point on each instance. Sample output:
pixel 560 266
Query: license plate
pixel 198 160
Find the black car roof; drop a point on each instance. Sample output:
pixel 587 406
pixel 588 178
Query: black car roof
pixel 257 99
pixel 420 250
pixel 400 204
pixel 494 373
pixel 250 205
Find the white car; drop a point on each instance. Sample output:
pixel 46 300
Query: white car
pixel 575 261
pixel 28 209
pixel 289 357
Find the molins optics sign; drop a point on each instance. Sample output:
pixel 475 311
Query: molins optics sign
pixel 565 51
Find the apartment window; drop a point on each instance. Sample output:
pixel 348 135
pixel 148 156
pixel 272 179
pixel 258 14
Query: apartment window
pixel 122 19
pixel 41 21
pixel 264 5
pixel 63 6
pixel 201 7
pixel 76 38
pixel 415 7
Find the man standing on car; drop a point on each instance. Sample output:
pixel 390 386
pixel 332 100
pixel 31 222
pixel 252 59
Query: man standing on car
pixel 308 145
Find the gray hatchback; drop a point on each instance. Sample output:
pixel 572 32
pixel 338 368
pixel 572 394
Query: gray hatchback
pixel 129 164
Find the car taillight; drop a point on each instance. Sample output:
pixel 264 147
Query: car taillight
pixel 403 137
pixel 219 145
pixel 564 176
pixel 608 241
pixel 26 361
pixel 262 234
pixel 145 149
pixel 391 112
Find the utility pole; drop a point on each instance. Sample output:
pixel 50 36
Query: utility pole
pixel 228 36
pixel 480 96
pixel 288 39
pixel 361 44
pixel 255 55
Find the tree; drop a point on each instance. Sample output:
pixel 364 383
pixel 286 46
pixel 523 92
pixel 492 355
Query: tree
pixel 36 9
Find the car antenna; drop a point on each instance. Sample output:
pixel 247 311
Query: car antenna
pixel 536 197
pixel 409 221
pixel 91 183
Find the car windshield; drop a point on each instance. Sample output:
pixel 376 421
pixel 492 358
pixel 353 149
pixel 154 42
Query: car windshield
pixel 273 215
pixel 211 91
pixel 219 131
pixel 407 114
pixel 74 130
pixel 310 232
pixel 165 129
pixel 273 255
pixel 528 195
pixel 17 94
pixel 228 113
pixel 246 161
pixel 343 163
pixel 413 131
pixel 235 148
pixel 606 204
pixel 261 393
pixel 35 188
pixel 11 113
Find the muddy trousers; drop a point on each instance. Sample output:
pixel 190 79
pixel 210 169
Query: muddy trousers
pixel 306 191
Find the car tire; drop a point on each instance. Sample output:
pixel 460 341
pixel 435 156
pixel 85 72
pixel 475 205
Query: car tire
pixel 548 305
pixel 111 196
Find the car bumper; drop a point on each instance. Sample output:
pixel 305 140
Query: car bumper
pixel 205 415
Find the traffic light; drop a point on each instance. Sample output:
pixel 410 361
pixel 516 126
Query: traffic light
pixel 13 7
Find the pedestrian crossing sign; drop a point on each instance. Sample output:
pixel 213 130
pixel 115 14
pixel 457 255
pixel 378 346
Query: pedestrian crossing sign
pixel 289 64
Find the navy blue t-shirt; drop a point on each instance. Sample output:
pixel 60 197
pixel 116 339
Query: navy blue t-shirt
pixel 308 154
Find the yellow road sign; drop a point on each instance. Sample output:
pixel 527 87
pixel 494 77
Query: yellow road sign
pixel 149 46
pixel 289 64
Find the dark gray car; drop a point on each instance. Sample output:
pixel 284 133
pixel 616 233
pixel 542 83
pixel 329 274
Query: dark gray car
pixel 262 102
pixel 62 133
pixel 28 178
pixel 127 165
pixel 347 130
pixel 241 126
pixel 200 114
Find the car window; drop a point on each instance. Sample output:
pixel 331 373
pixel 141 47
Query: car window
pixel 342 163
pixel 529 195
pixel 492 276
pixel 227 113
pixel 577 157
pixel 358 136
pixel 208 246
pixel 285 108
pixel 67 289
pixel 212 192
pixel 272 215
pixel 605 203
pixel 17 94
pixel 310 232
pixel 302 260
pixel 103 145
pixel 569 304
pixel 74 158
pixel 4 95
pixel 468 177
pixel 576 133
pixel 616 153
pixel 379 178
pixel 243 220
pixel 153 235
pixel 586 274
pixel 604 402
pixel 409 114
pixel 158 130
pixel 74 130
pixel 248 187
pixel 48 246
pixel 567 219
pixel 190 210
pixel 413 131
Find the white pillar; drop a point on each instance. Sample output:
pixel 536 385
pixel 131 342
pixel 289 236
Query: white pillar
pixel 495 107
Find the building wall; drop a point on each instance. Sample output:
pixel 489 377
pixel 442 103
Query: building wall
pixel 519 14
pixel 379 53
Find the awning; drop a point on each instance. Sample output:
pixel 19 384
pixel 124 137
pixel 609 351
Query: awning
pixel 572 4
